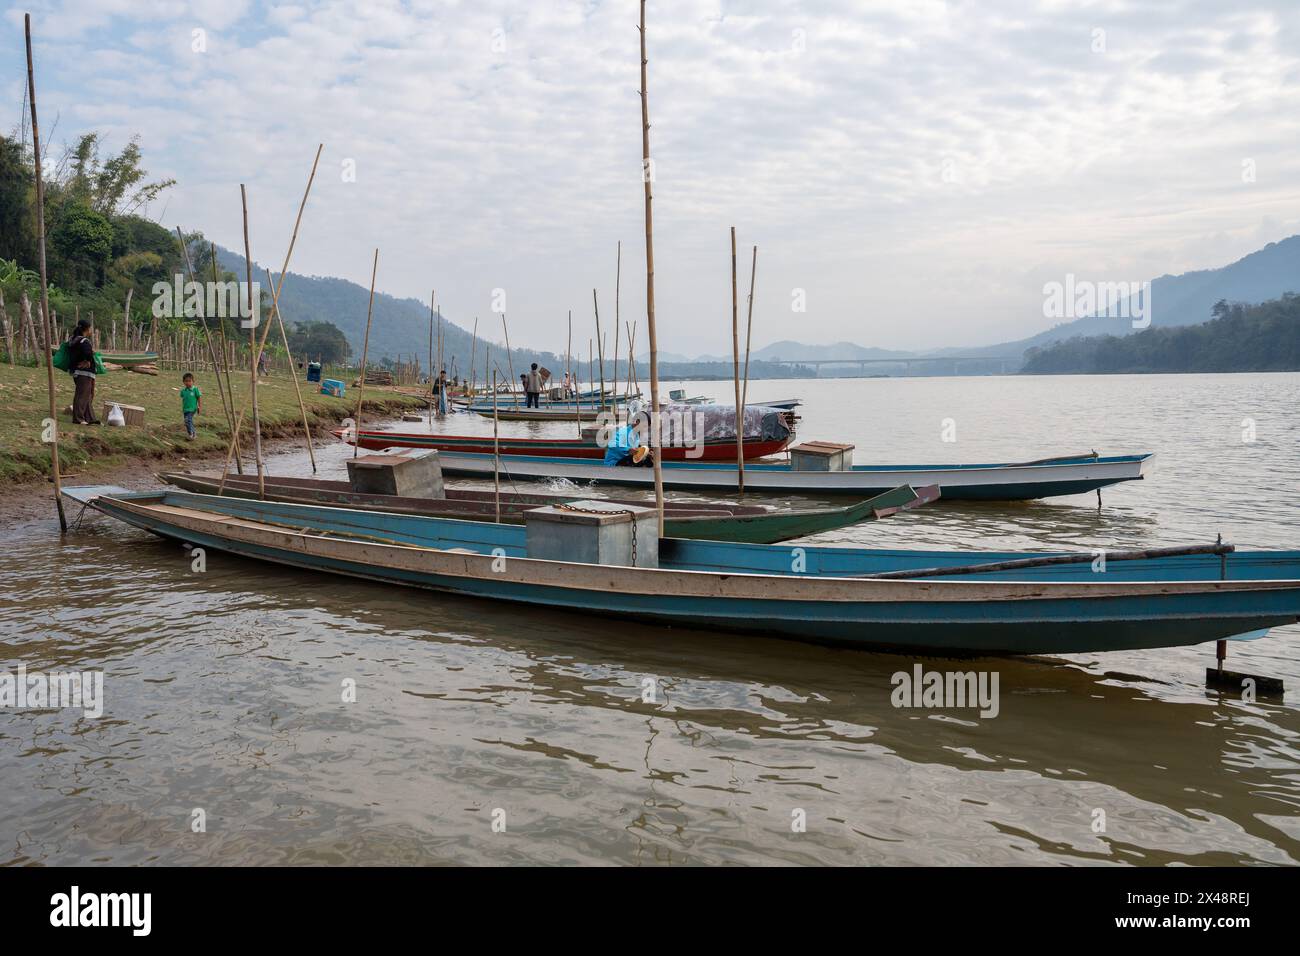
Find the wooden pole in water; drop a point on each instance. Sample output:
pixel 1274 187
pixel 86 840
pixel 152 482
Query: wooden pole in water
pixel 293 373
pixel 618 324
pixel 253 351
pixel 45 288
pixel 735 371
pixel 473 354
pixel 509 360
pixel 496 452
pixel 749 331
pixel 365 351
pixel 646 178
pixel 275 304
pixel 600 349
pixel 432 377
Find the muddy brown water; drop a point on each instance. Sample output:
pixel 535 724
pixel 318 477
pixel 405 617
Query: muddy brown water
pixel 483 733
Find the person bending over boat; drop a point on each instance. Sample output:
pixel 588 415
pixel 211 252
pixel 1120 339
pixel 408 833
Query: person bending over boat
pixel 81 364
pixel 625 448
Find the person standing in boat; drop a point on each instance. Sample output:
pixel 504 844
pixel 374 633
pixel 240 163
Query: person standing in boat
pixel 533 387
pixel 81 364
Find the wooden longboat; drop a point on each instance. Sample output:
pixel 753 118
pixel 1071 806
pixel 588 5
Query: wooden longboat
pixel 1010 481
pixel 938 615
pixel 717 522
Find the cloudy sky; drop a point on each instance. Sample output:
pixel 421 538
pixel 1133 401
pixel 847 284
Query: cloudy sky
pixel 918 168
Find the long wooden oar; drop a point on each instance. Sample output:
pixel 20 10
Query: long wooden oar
pixel 1075 558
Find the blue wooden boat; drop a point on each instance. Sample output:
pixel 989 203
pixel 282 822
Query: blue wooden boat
pixel 1011 481
pixel 1161 603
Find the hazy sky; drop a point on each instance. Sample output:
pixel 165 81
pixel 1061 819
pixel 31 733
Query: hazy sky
pixel 918 168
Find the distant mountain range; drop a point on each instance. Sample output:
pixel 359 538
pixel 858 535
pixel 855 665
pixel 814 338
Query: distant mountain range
pixel 1179 300
pixel 401 326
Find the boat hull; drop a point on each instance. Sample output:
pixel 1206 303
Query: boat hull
pixel 681 520
pixel 950 617
pixel 993 482
pixel 577 448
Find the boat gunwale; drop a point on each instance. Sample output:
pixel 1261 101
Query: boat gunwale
pixel 739 585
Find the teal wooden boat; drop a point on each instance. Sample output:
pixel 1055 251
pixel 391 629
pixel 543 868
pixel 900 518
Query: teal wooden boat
pixel 1170 602
pixel 717 522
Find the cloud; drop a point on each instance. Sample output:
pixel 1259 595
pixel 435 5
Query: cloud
pixel 919 168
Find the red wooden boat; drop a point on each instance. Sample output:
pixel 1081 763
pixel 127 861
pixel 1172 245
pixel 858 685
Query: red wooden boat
pixel 586 447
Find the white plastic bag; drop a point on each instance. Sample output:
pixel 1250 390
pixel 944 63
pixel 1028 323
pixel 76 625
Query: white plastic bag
pixel 115 416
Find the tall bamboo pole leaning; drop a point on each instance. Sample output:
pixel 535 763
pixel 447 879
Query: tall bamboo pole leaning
pixel 365 351
pixel 275 305
pixel 226 362
pixel 646 178
pixel 510 360
pixel 297 389
pixel 252 351
pixel 45 288
pixel 749 331
pixel 735 371
pixel 432 377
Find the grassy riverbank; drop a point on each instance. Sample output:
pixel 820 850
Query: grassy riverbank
pixel 85 449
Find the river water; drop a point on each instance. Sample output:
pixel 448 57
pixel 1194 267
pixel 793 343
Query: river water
pixel 488 734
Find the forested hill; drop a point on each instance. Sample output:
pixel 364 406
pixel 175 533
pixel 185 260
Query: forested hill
pixel 1241 338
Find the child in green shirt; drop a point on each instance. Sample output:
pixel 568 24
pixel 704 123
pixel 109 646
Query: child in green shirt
pixel 191 403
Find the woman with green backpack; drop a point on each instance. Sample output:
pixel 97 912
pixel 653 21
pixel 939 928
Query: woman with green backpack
pixel 81 363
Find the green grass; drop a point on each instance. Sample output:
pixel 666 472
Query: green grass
pixel 24 405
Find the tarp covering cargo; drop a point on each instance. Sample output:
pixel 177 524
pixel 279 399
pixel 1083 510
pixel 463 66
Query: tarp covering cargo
pixel 710 422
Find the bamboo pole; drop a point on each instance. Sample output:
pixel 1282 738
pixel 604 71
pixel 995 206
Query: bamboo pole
pixel 749 330
pixel 226 361
pixel 473 354
pixel 650 281
pixel 735 371
pixel 573 383
pixel 618 325
pixel 510 359
pixel 496 452
pixel 432 378
pixel 252 343
pixel 365 350
pixel 45 288
pixel 293 373
pixel 275 304
pixel 631 357
pixel 600 349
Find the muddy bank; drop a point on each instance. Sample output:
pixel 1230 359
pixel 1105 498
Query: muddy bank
pixel 33 499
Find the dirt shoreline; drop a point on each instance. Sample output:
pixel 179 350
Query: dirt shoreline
pixel 34 499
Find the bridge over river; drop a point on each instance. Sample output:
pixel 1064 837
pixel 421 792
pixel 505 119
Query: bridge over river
pixel 939 364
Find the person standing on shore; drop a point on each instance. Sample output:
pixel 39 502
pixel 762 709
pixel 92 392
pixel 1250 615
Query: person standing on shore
pixel 191 403
pixel 81 364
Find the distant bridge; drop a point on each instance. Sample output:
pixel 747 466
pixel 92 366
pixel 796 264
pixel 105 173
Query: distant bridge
pixel 1005 363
